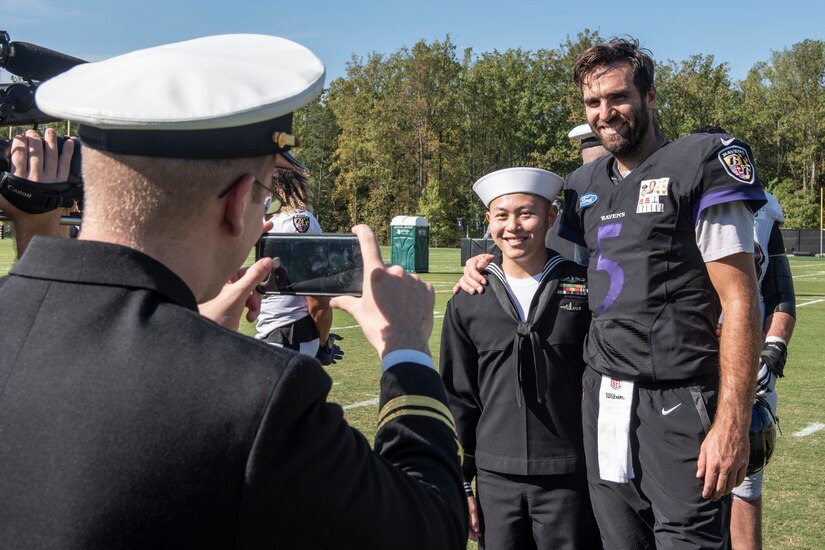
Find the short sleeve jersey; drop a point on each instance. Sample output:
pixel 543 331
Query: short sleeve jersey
pixel 654 308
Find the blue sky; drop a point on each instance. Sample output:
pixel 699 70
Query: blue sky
pixel 737 32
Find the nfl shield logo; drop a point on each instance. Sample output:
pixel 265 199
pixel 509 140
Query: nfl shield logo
pixel 615 384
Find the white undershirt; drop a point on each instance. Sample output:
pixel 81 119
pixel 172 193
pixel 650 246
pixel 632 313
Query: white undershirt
pixel 724 229
pixel 522 291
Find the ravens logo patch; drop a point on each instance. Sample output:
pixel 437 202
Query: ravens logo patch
pixel 737 163
pixel 301 223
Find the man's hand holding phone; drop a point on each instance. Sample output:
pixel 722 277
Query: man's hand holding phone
pixel 395 310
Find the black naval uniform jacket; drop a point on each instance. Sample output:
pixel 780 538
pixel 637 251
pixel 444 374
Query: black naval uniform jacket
pixel 127 420
pixel 515 387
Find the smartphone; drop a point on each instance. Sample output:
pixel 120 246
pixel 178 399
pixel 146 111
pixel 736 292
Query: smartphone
pixel 327 264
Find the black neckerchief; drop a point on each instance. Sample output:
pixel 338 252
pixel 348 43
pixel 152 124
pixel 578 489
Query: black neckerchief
pixel 525 331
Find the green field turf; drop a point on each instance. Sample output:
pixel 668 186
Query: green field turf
pixel 794 481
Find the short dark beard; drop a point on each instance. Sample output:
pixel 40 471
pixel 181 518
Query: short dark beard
pixel 633 141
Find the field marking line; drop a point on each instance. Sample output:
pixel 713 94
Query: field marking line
pixel 367 403
pixel 808 275
pixel 436 315
pixel 810 429
pixel 809 303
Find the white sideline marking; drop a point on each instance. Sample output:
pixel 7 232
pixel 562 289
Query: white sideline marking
pixel 809 275
pixel 809 303
pixel 437 315
pixel 367 403
pixel 810 429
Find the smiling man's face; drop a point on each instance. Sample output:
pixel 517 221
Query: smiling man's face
pixel 518 225
pixel 619 115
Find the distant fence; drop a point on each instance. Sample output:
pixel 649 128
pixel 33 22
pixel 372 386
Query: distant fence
pixel 802 242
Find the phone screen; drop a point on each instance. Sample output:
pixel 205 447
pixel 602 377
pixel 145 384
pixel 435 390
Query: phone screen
pixel 328 264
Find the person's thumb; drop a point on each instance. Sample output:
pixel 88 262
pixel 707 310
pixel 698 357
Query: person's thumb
pixel 255 274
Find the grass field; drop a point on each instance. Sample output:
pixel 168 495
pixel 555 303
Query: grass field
pixel 795 479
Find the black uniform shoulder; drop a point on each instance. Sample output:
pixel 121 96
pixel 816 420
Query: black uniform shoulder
pixel 701 147
pixel 464 301
pixel 235 371
pixel 583 176
pixel 223 342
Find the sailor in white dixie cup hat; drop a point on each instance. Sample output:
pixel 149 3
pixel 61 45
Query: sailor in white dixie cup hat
pixel 534 181
pixel 589 145
pixel 172 431
pixel 502 352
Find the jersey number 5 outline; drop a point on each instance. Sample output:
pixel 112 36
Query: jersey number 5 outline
pixel 614 271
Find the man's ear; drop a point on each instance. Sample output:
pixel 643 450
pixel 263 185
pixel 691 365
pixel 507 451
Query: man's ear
pixel 236 203
pixel 552 214
pixel 652 96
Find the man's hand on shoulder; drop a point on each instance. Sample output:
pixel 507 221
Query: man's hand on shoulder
pixel 473 281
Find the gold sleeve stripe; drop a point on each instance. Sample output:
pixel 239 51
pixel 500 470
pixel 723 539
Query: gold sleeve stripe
pixel 416 401
pixel 413 412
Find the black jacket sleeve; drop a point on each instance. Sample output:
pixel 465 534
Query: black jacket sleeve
pixel 406 494
pixel 459 371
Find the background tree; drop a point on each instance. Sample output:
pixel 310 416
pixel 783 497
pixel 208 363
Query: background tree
pixel 692 93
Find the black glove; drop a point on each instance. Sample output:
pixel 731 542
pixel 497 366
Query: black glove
pixel 773 356
pixel 330 353
pixel 771 366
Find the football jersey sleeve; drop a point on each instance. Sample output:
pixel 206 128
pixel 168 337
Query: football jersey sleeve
pixel 728 174
pixel 570 225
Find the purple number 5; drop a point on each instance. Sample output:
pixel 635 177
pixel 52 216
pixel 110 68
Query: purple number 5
pixel 614 271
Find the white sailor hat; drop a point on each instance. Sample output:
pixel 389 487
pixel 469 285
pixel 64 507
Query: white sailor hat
pixel 585 135
pixel 223 96
pixel 518 180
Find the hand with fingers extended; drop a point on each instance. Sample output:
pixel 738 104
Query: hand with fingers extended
pixel 395 310
pixel 37 160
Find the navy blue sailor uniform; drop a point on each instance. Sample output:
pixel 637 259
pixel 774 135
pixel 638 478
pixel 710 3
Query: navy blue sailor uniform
pixel 514 388
pixel 654 318
pixel 128 420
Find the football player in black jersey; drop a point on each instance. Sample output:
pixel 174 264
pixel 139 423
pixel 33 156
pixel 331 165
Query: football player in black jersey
pixel 669 230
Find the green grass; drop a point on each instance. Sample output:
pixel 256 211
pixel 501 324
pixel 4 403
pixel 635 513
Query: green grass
pixel 794 481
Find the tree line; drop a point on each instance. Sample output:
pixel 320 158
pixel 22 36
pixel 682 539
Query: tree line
pixel 407 133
